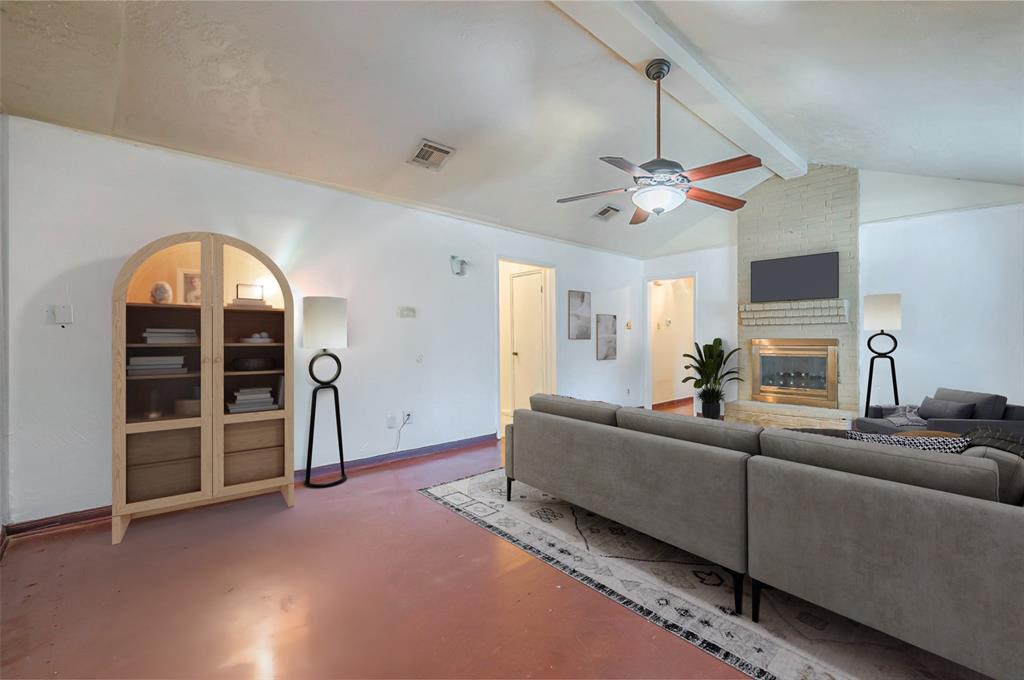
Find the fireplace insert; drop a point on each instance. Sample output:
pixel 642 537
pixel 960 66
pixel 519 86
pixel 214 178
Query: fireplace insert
pixel 802 371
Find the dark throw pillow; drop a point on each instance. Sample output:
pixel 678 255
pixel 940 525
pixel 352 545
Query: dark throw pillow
pixel 939 408
pixel 997 439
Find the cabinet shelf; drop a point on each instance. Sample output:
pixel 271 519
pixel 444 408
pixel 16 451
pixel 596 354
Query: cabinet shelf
pixel 255 416
pixel 253 345
pixel 261 310
pixel 165 376
pixel 137 425
pixel 152 305
pixel 272 371
pixel 163 345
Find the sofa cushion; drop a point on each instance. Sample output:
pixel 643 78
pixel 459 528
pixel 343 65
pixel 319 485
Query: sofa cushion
pixel 967 476
pixel 1011 472
pixel 986 406
pixel 941 408
pixel 735 436
pixel 1013 412
pixel 579 409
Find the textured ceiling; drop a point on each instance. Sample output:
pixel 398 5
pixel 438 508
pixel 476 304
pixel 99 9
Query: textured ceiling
pixel 342 93
pixel 924 88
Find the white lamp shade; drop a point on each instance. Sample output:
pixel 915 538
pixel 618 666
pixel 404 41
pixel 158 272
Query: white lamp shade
pixel 325 322
pixel 882 312
pixel 658 199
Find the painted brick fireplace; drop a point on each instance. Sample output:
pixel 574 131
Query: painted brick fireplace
pixel 815 213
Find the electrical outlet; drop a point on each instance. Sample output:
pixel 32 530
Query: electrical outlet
pixel 406 417
pixel 391 421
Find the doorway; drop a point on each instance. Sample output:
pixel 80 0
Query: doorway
pixel 670 333
pixel 526 349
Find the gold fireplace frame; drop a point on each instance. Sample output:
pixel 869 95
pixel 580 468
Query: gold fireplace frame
pixel 803 347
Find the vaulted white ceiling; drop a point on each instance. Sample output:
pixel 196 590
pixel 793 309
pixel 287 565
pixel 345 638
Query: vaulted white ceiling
pixel 341 93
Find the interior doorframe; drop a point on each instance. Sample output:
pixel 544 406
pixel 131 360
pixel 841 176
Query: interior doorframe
pixel 550 327
pixel 648 281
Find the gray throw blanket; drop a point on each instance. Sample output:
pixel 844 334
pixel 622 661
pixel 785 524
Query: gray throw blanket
pixel 903 415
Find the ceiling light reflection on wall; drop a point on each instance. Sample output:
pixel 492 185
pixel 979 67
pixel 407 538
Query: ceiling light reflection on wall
pixel 658 199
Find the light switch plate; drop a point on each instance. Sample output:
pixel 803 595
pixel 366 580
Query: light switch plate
pixel 63 314
pixel 406 312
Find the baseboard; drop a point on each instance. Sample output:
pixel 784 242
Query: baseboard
pixel 69 519
pixel 385 458
pixel 47 524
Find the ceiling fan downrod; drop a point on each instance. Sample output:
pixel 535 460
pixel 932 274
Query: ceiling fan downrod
pixel 656 70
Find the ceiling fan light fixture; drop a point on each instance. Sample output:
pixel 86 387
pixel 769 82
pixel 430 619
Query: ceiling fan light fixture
pixel 659 199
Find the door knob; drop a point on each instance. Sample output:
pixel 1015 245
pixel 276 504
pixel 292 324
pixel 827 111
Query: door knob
pixel 515 354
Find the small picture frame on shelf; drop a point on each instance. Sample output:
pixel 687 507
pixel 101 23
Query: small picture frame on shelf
pixel 190 286
pixel 249 291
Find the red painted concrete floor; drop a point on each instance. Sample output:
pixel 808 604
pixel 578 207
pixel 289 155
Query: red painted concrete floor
pixel 368 579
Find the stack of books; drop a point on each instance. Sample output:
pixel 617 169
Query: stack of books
pixel 156 365
pixel 249 302
pixel 251 399
pixel 170 336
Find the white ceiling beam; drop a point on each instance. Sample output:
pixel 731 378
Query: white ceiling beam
pixel 631 32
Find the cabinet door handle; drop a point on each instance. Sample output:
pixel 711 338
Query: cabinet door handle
pixel 515 354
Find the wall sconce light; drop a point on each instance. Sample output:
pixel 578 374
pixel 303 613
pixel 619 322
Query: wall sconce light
pixel 458 265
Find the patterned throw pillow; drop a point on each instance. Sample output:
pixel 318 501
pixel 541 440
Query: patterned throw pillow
pixel 955 445
pixel 997 439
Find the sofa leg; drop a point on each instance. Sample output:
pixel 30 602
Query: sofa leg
pixel 508 489
pixel 737 586
pixel 755 599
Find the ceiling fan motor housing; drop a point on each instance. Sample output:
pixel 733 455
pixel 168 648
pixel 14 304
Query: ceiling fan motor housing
pixel 662 172
pixel 657 69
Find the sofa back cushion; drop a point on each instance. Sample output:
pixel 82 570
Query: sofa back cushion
pixel 1011 472
pixel 1013 412
pixel 968 476
pixel 735 436
pixel 940 408
pixel 986 406
pixel 579 409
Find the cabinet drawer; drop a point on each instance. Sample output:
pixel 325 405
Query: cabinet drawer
pixel 159 480
pixel 260 434
pixel 251 466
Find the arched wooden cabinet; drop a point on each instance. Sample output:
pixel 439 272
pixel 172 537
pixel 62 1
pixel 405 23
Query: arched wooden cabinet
pixel 202 377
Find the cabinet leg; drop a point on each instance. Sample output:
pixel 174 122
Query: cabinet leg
pixel 288 492
pixel 118 525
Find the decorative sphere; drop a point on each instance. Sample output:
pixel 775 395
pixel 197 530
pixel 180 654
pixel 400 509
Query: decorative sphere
pixel 161 293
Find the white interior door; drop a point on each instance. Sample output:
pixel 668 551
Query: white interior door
pixel 529 359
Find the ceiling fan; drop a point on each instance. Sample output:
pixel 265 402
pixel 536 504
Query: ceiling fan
pixel 662 184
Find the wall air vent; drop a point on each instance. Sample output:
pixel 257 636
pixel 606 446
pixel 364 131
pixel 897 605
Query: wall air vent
pixel 606 213
pixel 431 155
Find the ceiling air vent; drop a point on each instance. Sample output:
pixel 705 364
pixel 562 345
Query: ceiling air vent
pixel 607 212
pixel 431 155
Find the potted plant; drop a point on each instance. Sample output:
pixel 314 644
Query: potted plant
pixel 711 376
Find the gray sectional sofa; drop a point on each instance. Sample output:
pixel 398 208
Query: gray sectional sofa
pixel 989 410
pixel 927 547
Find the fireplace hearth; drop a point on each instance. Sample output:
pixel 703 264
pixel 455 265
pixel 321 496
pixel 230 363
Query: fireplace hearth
pixel 801 371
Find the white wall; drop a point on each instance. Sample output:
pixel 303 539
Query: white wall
pixel 81 204
pixel 886 195
pixel 670 328
pixel 961 274
pixel 714 272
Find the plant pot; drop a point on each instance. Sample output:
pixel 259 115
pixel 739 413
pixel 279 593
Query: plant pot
pixel 711 409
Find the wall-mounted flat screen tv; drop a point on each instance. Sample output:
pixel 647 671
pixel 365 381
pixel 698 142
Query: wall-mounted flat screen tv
pixel 806 277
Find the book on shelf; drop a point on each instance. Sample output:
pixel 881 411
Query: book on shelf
pixel 250 399
pixel 149 370
pixel 155 360
pixel 170 336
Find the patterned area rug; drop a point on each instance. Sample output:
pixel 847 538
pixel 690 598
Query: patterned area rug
pixel 685 594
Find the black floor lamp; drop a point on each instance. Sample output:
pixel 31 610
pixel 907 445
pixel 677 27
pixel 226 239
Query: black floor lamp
pixel 325 327
pixel 881 313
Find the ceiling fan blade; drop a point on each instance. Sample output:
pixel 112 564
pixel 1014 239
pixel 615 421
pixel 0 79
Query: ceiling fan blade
pixel 723 167
pixel 626 166
pixel 639 217
pixel 715 199
pixel 596 193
